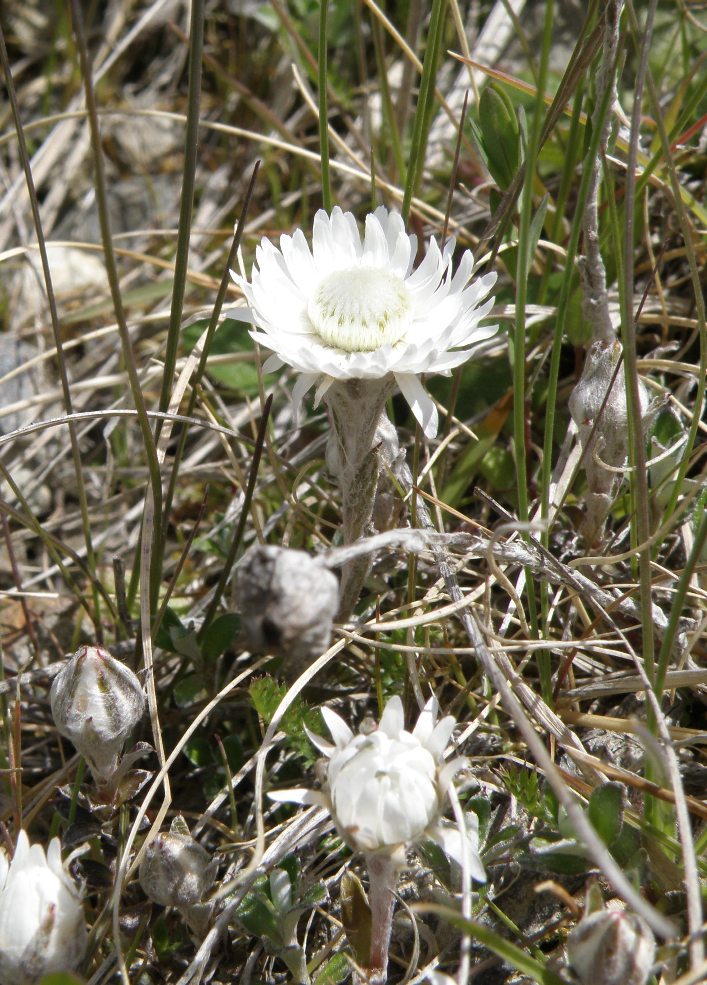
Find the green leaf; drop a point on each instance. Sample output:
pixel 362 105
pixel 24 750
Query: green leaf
pixel 606 811
pixel 188 691
pixel 578 329
pixel 562 863
pixel 516 957
pixel 221 634
pixel 536 227
pixel 165 939
pixel 232 339
pixel 500 133
pixel 334 971
pixel 199 752
pixel 170 621
pixel 482 808
pixel 356 917
pixel 627 847
pixel 233 747
pixel 266 695
pixel 498 468
pixel 257 916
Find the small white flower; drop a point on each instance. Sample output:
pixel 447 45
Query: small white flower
pixel 387 789
pixel 42 927
pixel 96 702
pixel 355 309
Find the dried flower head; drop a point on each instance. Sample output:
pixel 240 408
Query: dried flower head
pixel 355 309
pixel 42 927
pixel 288 601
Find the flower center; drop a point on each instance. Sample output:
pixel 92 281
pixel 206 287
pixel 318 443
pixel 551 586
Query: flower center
pixel 360 309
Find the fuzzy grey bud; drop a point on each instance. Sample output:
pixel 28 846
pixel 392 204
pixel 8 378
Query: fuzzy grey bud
pixel 96 703
pixel 612 947
pixel 176 870
pixel 599 409
pixel 288 601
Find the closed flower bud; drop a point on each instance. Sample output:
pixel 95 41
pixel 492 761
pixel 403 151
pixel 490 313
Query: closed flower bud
pixel 598 407
pixel 176 870
pixel 288 601
pixel 612 947
pixel 96 703
pixel 42 927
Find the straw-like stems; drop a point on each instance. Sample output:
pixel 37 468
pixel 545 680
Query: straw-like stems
pixel 425 102
pixel 61 362
pixel 111 267
pixel 324 107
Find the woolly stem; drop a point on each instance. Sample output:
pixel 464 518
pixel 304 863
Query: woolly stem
pixel 355 411
pixel 383 877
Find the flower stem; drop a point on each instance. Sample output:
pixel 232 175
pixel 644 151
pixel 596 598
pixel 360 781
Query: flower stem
pixel 383 876
pixel 355 409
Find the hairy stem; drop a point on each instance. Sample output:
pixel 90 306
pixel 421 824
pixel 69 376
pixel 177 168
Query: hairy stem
pixel 382 875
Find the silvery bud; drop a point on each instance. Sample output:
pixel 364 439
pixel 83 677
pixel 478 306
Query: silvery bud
pixel 613 947
pixel 177 871
pixel 599 409
pixel 42 927
pixel 288 601
pixel 96 703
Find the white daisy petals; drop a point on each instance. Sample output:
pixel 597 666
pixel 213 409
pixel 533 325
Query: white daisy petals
pixel 386 789
pixel 357 308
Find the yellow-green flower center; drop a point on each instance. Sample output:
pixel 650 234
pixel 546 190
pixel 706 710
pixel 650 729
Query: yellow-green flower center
pixel 360 309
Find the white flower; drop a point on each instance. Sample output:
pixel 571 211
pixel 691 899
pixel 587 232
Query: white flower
pixel 387 789
pixel 96 702
pixel 42 927
pixel 356 309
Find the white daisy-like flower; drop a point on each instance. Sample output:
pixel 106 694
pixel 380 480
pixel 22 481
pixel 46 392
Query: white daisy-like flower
pixel 356 309
pixel 42 928
pixel 387 789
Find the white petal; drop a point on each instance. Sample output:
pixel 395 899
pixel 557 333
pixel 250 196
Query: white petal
pixel 437 742
pixel 450 770
pixel 298 795
pixel 272 363
pixel 323 386
pixel 426 721
pixel 449 839
pixel 303 384
pixel 340 732
pixel 421 403
pixel 393 718
pixel 325 747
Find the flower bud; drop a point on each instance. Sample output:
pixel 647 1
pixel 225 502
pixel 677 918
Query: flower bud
pixel 175 869
pixel 288 601
pixel 42 927
pixel 599 409
pixel 612 947
pixel 96 702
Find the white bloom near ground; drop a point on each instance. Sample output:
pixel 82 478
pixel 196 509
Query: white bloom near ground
pixel 387 789
pixel 42 927
pixel 353 308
